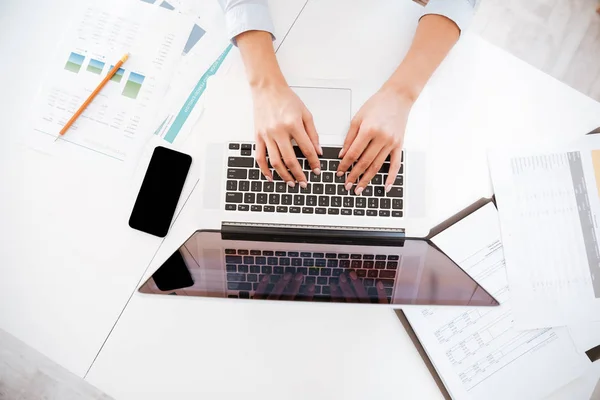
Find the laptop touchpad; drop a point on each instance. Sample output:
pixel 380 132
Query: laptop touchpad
pixel 331 109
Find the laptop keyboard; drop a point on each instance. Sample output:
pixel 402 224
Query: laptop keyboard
pixel 248 189
pixel 246 268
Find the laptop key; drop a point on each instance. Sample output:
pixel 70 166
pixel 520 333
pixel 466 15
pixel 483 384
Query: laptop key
pixel 399 180
pixel 261 198
pixel 321 280
pixel 236 173
pixel 373 202
pixel 346 211
pixel 240 162
pixel 311 201
pixel 255 208
pixel 268 187
pixel 361 273
pixel 306 190
pixel 385 203
pixel 231 268
pixel 280 187
pixel 302 270
pixel 340 179
pixel 380 264
pixel 244 186
pixel 333 211
pixel 256 186
pixel 356 264
pixel 230 207
pixel 372 273
pixel 377 179
pixel 243 207
pixel 286 199
pixel 392 265
pixel 341 190
pixel 274 199
pixel 285 261
pixel 313 271
pixel 395 192
pixel 296 262
pixel 384 213
pixel 379 191
pixel 371 213
pixel 397 214
pixel 358 211
pixel 298 200
pixel 246 152
pixel 397 204
pixel 333 165
pixel 368 191
pixel 234 146
pixel 320 262
pixel 249 198
pixel 243 268
pixel 336 201
pixel 294 189
pixel 234 197
pixel 320 210
pixel 330 153
pixel 348 202
pixel 325 271
pixel 361 202
pixel 328 177
pixel 344 263
pixel 254 174
pixel 232 185
pixel 318 188
pixel 368 264
pixel 307 210
pixel 333 263
pixel 255 269
pixel 343 255
pixel 278 270
pixel 281 209
pixel 235 277
pixel 269 208
pixel 387 274
pixel 330 189
pixel 337 271
pixel 246 146
pixel 295 210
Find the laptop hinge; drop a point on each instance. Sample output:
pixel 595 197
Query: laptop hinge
pixel 312 234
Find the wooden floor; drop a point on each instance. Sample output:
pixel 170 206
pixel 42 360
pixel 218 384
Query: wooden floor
pixel 560 37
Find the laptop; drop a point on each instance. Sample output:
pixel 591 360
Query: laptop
pixel 235 190
pixel 378 268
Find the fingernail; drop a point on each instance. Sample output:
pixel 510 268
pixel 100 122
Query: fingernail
pixel 348 186
pixel 333 287
pixel 341 152
pixel 265 279
pixel 343 278
pixel 287 276
pixel 303 185
pixel 379 285
pixel 320 150
pixel 359 191
pixel 339 173
pixel 317 171
pixel 291 183
pixel 388 188
pixel 311 287
pixel 299 277
pixel 353 275
pixel 269 179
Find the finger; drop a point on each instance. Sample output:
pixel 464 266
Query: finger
pixel 346 289
pixel 280 286
pixel 310 291
pixel 291 162
pixel 395 161
pixel 351 135
pixel 372 170
pixel 381 294
pixel 307 148
pixel 277 162
pixel 261 289
pixel 354 152
pixel 261 158
pixel 294 287
pixel 311 131
pixel 358 288
pixel 364 162
pixel 336 294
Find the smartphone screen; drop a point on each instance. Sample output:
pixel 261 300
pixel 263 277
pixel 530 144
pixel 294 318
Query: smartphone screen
pixel 160 191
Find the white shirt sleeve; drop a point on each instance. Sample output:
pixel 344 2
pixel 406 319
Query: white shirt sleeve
pixel 459 11
pixel 246 15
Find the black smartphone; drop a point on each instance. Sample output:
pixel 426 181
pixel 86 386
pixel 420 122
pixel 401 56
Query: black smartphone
pixel 157 200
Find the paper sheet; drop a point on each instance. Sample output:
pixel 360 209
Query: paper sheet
pixel 477 351
pixel 585 336
pixel 119 120
pixel 549 206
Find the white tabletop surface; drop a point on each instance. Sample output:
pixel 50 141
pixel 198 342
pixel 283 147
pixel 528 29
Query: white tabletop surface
pixel 62 295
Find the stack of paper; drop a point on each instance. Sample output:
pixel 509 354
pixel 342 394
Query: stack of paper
pixel 478 352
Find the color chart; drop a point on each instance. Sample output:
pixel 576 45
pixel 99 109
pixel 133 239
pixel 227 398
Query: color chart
pixel 133 85
pixel 74 62
pixel 95 66
pixel 118 75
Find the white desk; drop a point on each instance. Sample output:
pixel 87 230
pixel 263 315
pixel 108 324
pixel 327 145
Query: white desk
pixel 64 300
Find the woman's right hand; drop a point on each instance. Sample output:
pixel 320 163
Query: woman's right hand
pixel 279 117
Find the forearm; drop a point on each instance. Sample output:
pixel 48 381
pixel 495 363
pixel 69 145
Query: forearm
pixel 258 55
pixel 433 40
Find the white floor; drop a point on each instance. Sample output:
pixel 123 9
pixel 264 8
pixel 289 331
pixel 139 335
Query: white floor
pixel 560 37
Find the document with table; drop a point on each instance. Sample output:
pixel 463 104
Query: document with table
pixel 478 352
pixel 549 205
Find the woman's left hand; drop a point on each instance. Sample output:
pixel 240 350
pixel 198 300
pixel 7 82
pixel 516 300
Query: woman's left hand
pixel 376 131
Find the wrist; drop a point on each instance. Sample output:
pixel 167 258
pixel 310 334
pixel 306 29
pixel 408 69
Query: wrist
pixel 406 91
pixel 258 54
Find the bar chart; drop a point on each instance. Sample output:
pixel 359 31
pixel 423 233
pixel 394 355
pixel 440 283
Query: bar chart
pixel 74 62
pixel 95 66
pixel 118 75
pixel 133 85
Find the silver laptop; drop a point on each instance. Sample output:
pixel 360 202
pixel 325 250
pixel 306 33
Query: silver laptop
pixel 235 189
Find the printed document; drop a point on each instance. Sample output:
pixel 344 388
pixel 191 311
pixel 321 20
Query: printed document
pixel 119 120
pixel 549 205
pixel 477 351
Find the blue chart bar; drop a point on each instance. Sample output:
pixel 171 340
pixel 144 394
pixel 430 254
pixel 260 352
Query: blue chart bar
pixel 195 35
pixel 166 5
pixel 95 66
pixel 118 75
pixel 74 62
pixel 192 99
pixel 133 85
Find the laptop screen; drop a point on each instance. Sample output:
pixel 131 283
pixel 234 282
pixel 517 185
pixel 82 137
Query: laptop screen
pixel 411 271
